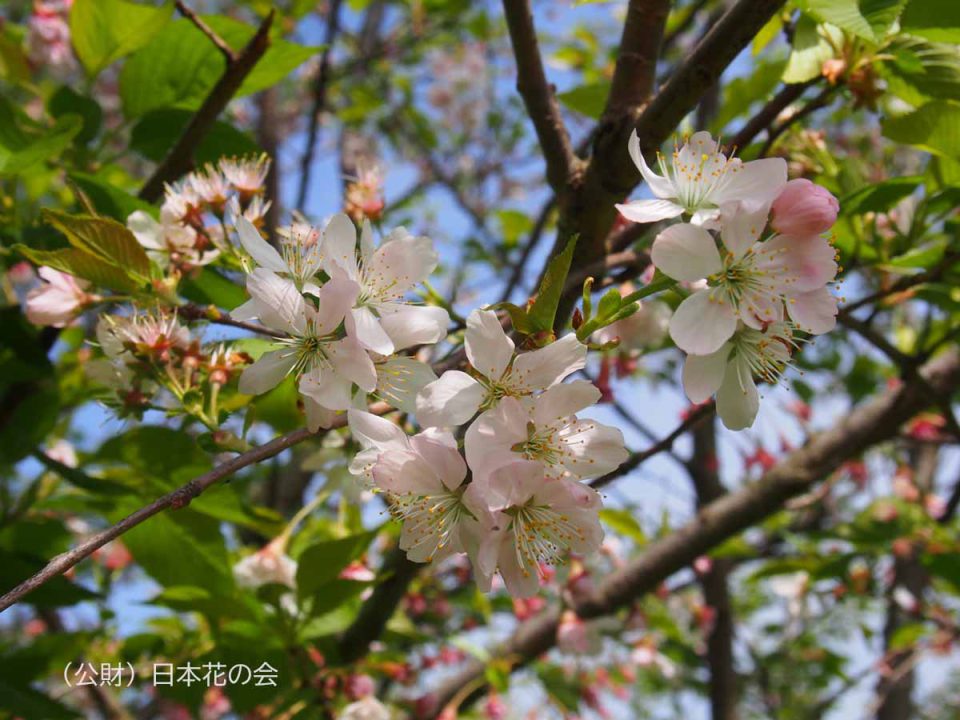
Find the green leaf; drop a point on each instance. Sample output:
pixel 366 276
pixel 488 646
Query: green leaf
pixel 879 197
pixel 82 265
pixel 811 47
pixel 106 30
pixel 104 238
pixel 180 66
pixel 919 258
pixel 659 283
pixel 108 199
pixel 17 566
pixel 212 288
pixel 67 101
pixel 589 100
pixel 157 131
pixel 932 19
pixel 518 317
pixel 543 312
pixel 624 522
pixel 24 143
pixel 322 562
pixel 845 14
pixel 21 700
pixel 922 70
pixel 935 127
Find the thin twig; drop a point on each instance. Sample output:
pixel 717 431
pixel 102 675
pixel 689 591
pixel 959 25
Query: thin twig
pixel 536 233
pixel 319 102
pixel 191 311
pixel 228 53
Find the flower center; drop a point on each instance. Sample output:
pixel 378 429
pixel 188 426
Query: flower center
pixel 430 520
pixel 767 354
pixel 541 535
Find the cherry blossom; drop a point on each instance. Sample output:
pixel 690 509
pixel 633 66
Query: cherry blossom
pixel 546 429
pixel 327 362
pixel 59 300
pixel 246 175
pixel 751 282
pixel 266 566
pixel 497 373
pixel 368 708
pixel 701 180
pixel 382 321
pixel 168 242
pixel 730 371
pixel 300 255
pixel 537 520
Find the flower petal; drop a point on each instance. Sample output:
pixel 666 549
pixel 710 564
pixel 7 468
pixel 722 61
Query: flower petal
pixel 563 400
pixel 701 325
pixel 738 400
pixel 317 415
pixel 741 229
pixel 451 400
pixel 686 252
pixel 539 369
pixel 703 374
pixel 488 443
pixel 441 455
pixel 372 431
pixel 334 301
pixel 648 211
pixel 146 230
pixel 267 372
pixel 488 347
pixel 399 265
pixel 400 379
pixel 756 184
pixel 264 254
pixel 367 330
pixel 409 325
pixel 281 305
pixel 352 362
pixel 659 186
pixel 814 311
pixel 340 241
pixel 328 389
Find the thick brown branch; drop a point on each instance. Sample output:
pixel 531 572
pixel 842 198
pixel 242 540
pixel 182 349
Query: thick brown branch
pixel 636 69
pixel 537 94
pixel 180 158
pixel 722 519
pixel 176 499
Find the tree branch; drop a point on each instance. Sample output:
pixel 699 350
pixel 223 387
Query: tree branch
pixel 180 158
pixel 636 68
pixel 538 97
pixel 175 500
pixel 724 518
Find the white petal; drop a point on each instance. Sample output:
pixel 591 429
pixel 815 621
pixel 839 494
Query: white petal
pixel 267 372
pixel 686 252
pixel 317 415
pixel 352 362
pixel 372 431
pixel 366 240
pixel 741 229
pixel 409 325
pixel 755 184
pixel 659 186
pixel 648 211
pixel 146 230
pixel 703 374
pixel 334 301
pixel 815 311
pixel 563 400
pixel 451 400
pixel 250 310
pixel 340 241
pixel 328 389
pixel 263 253
pixel 405 472
pixel 445 461
pixel 702 325
pixel 488 347
pixel 366 328
pixel 738 400
pixel 539 369
pixel 488 443
pixel 281 304
pixel 399 265
pixel 400 379
pixel 593 448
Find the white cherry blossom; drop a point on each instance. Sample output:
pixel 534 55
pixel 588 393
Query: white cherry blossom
pixel 700 180
pixel 751 282
pixel 457 396
pixel 169 242
pixel 545 429
pixel 537 520
pixel 730 371
pixel 300 256
pixel 383 322
pixel 58 300
pixel 327 362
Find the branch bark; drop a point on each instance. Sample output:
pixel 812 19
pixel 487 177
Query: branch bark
pixel 868 425
pixel 636 68
pixel 538 97
pixel 173 500
pixel 180 158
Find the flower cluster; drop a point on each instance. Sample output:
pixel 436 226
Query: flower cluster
pixel 191 231
pixel 752 294
pixel 514 499
pixel 339 312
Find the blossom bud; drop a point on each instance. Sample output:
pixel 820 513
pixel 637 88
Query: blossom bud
pixel 804 208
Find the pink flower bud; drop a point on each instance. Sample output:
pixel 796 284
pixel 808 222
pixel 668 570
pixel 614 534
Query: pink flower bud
pixel 804 208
